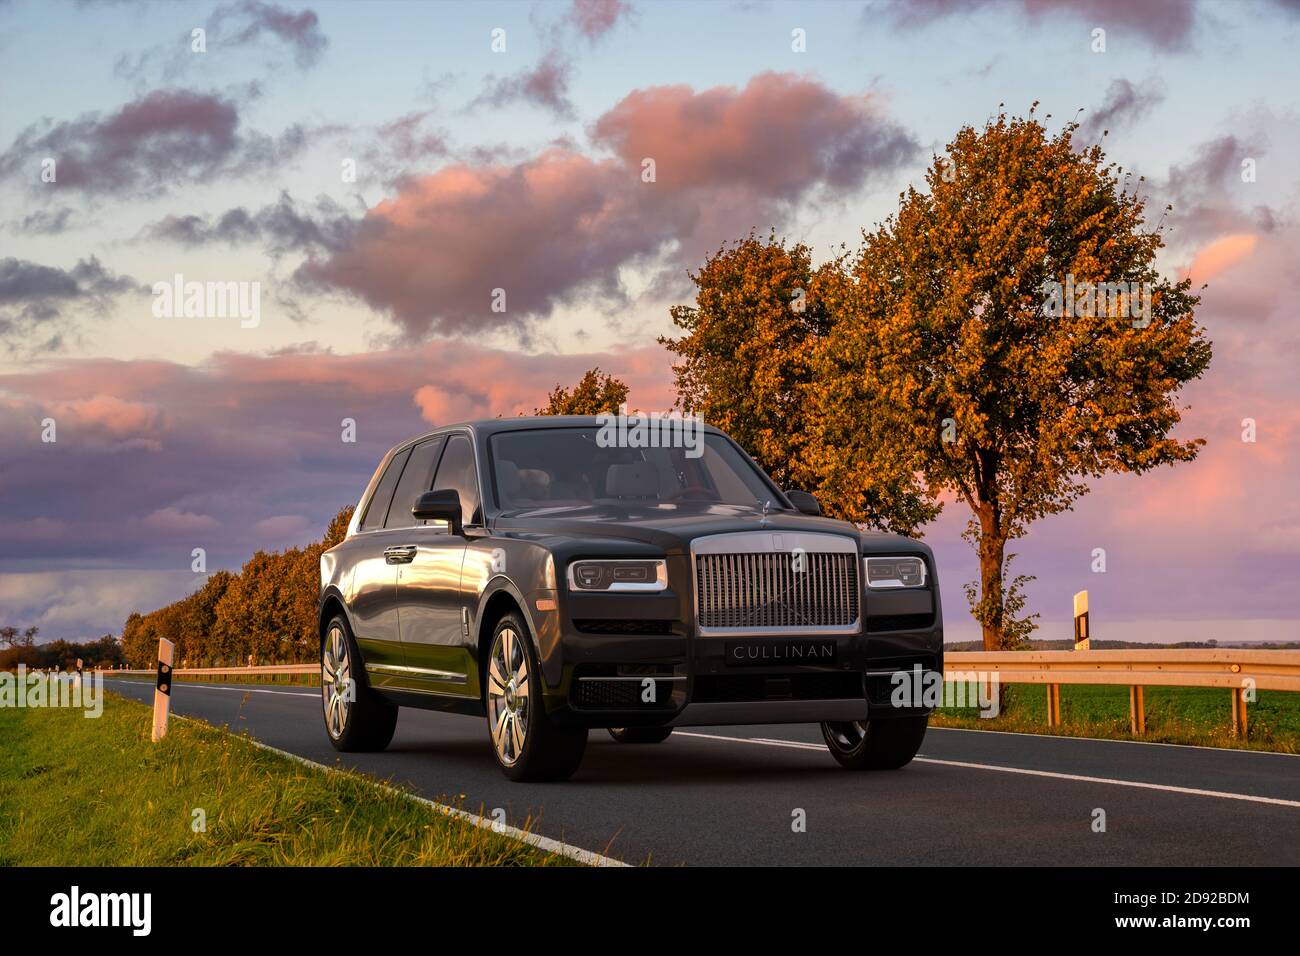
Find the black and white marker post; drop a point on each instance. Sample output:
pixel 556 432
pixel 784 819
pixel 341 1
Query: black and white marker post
pixel 1082 635
pixel 162 696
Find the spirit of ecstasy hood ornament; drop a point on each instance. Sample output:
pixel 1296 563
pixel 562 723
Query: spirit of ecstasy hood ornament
pixel 766 506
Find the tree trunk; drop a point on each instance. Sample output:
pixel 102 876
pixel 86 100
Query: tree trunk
pixel 992 548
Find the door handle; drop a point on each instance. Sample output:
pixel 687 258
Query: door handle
pixel 400 554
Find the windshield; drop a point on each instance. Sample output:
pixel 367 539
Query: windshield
pixel 567 467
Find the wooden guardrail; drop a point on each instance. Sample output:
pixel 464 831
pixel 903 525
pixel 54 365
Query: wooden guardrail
pixel 237 671
pixel 1241 671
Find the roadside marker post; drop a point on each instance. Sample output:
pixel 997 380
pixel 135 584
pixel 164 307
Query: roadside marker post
pixel 162 695
pixel 1081 635
pixel 1081 643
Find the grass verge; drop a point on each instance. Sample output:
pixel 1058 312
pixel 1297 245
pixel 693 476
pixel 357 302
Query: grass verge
pixel 76 791
pixel 1174 715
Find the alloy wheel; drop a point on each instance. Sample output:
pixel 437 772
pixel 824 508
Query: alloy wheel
pixel 508 695
pixel 848 735
pixel 336 681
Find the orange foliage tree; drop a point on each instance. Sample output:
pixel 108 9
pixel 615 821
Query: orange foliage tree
pixel 1003 337
pixel 595 393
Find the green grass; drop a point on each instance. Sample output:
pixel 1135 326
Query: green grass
pixel 76 791
pixel 1176 715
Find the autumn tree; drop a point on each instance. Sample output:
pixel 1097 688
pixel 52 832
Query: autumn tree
pixel 337 528
pixel 745 353
pixel 747 362
pixel 137 647
pixel 1006 337
pixel 595 393
pixel 198 619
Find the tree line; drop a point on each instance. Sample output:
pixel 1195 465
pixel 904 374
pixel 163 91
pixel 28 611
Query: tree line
pixel 20 647
pixel 266 611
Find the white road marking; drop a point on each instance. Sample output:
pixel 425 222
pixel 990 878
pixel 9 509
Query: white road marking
pixel 1079 778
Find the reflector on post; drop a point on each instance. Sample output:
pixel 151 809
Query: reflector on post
pixel 162 695
pixel 1081 635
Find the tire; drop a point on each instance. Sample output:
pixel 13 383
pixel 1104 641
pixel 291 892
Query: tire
pixel 367 721
pixel 640 735
pixel 882 744
pixel 527 743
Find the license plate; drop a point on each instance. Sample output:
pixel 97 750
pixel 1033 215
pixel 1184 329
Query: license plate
pixel 772 653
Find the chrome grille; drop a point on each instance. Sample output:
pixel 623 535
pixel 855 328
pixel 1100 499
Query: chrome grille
pixel 764 591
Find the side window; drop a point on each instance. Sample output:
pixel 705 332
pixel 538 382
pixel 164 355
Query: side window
pixel 456 470
pixel 377 509
pixel 416 480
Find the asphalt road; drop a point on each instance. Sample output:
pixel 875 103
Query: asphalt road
pixel 728 795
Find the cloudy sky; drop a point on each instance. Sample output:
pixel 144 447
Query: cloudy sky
pixel 380 168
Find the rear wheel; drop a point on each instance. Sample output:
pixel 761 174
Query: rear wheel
pixel 527 743
pixel 882 744
pixel 356 718
pixel 640 735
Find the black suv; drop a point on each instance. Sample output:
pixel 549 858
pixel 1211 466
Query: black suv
pixel 558 574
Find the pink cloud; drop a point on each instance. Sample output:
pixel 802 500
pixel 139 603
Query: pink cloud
pixel 1221 255
pixel 250 451
pixel 775 136
pixel 558 227
pixel 110 416
pixel 595 18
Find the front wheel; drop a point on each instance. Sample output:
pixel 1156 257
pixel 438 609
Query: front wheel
pixel 356 718
pixel 527 743
pixel 882 744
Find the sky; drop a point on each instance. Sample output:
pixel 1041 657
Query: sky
pixel 379 169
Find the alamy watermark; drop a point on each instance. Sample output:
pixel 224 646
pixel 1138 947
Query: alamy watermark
pixel 920 687
pixel 651 430
pixel 1131 300
pixel 53 689
pixel 179 299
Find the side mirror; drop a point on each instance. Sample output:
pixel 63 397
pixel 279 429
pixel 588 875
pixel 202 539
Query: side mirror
pixel 439 506
pixel 805 502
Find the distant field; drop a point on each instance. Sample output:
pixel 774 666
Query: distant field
pixel 1178 715
pixel 96 792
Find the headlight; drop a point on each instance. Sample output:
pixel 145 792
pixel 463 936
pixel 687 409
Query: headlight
pixel 883 573
pixel 619 574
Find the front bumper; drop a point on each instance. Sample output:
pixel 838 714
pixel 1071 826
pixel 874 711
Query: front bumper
pixel 631 661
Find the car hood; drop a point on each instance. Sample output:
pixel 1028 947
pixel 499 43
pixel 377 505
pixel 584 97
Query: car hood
pixel 673 528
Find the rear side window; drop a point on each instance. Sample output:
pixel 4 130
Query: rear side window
pixel 456 470
pixel 377 509
pixel 416 480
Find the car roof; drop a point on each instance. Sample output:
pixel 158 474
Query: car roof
pixel 493 426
